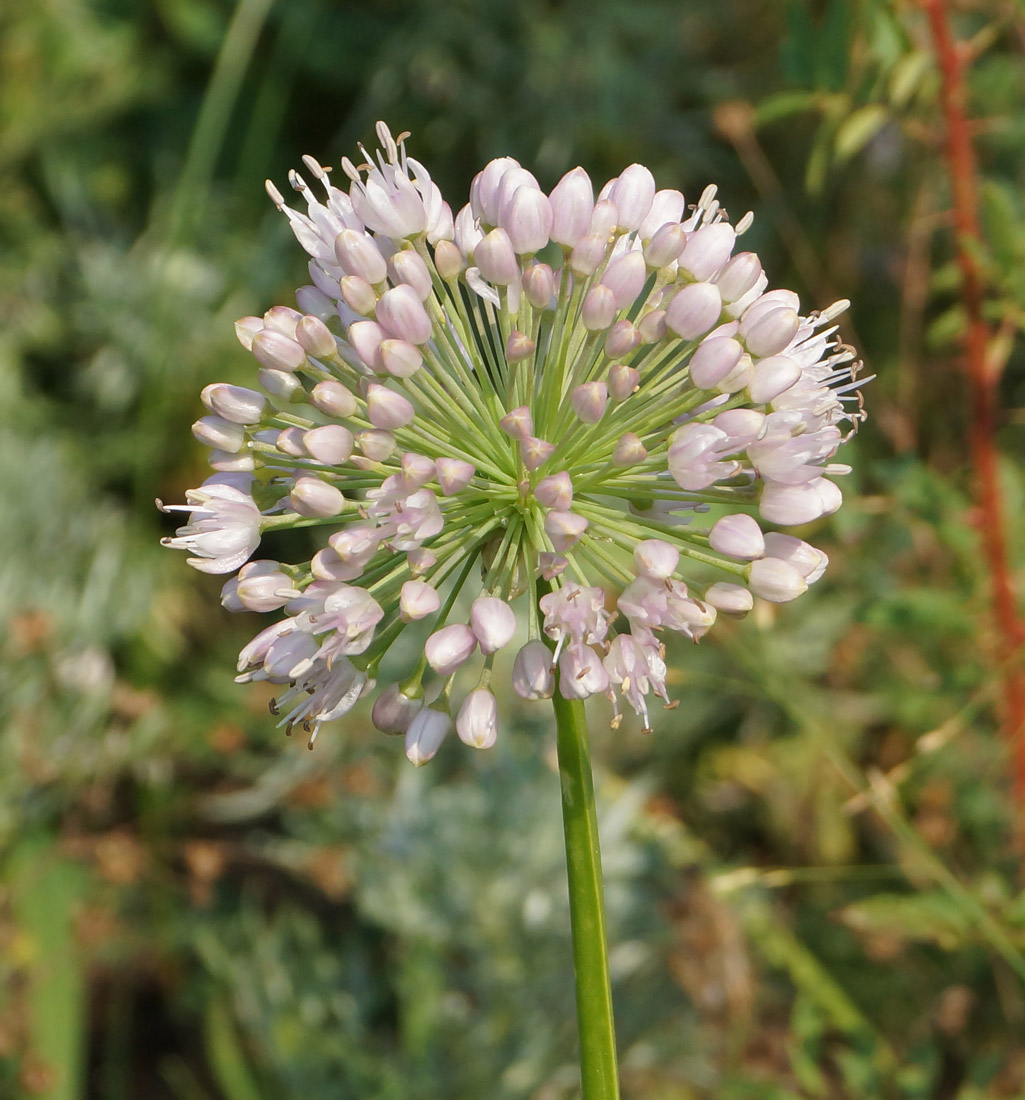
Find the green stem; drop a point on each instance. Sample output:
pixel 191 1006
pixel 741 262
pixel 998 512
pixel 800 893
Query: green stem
pixel 598 1075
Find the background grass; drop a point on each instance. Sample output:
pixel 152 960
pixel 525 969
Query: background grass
pixel 813 886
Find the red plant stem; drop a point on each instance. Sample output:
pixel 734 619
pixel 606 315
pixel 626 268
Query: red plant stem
pixel 983 385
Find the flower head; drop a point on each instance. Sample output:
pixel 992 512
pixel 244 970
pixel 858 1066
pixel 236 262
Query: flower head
pixel 536 400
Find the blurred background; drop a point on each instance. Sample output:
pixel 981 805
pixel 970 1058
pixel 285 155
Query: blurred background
pixel 814 886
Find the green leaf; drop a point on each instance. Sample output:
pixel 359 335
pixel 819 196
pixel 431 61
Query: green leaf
pixel 227 1058
pixel 858 129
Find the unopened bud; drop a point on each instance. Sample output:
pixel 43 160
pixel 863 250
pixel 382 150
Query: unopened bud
pixel 589 401
pixel 623 381
pixel 448 648
pixel 555 491
pixel 564 528
pixel 331 444
pixel 532 676
pixel 333 398
pixel 477 720
pixel 694 310
pixel 387 409
pixel 737 536
pixel 629 450
pixel 417 600
pixel 775 580
pixel 599 309
pixel 312 497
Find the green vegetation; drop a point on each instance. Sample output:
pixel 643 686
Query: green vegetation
pixel 812 873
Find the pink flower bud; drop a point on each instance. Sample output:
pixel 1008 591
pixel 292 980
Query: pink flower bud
pixel 496 258
pixel 493 622
pixel 402 315
pixel 316 338
pixel 652 326
pixel 738 276
pixel 623 338
pixel 417 470
pixel 518 347
pixel 420 560
pixel 737 536
pixel 477 720
pixel 771 332
pixel 581 672
pixel 448 648
pixel 604 220
pixel 713 360
pixel 730 599
pixel 532 676
pixel 739 377
pixel 694 310
pixel 564 528
pixel 282 319
pixel 417 600
pixel 365 338
pixel 707 250
pixel 426 731
pixel 408 268
pixel 572 202
pixel 527 217
pixel 587 254
pixel 234 403
pixel 772 376
pixel 485 197
pixel 453 475
pixel 793 505
pixel 599 309
pixel 518 423
pixel 633 193
pixel 808 560
pixel 555 491
pixel 357 254
pixel 448 260
pixel 246 328
pixel 625 277
pixel 224 435
pixel 393 711
pixel 656 559
pixel 623 381
pixel 376 445
pixel 775 580
pixel 665 245
pixel 358 295
pixel 399 359
pixel 387 409
pixel 264 592
pixel 589 401
pixel 333 398
pixel 667 206
pixel 629 450
pixel 311 300
pixel 271 349
pixel 539 285
pixel 331 444
pixel 225 461
pixel 551 565
pixel 535 452
pixel 289 441
pixel 312 497
pixel 281 384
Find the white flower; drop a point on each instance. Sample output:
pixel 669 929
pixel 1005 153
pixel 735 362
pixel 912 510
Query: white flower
pixel 455 408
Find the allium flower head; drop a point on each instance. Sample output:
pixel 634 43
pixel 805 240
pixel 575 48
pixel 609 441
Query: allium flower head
pixel 537 403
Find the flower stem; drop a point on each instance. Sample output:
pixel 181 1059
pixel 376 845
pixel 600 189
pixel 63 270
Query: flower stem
pixel 598 1074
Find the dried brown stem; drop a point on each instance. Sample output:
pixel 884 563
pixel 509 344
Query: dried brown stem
pixel 982 380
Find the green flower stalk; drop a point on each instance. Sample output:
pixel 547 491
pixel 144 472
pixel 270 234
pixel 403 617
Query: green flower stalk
pixel 535 403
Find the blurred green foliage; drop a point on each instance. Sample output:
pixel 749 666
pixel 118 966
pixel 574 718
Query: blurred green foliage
pixel 813 890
